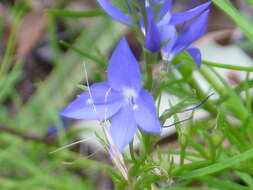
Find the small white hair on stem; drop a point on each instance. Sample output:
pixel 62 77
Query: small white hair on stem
pixel 70 145
pixel 115 154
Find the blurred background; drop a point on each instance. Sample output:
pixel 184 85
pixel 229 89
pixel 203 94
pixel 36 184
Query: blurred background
pixel 39 75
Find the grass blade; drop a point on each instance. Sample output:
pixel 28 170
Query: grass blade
pixel 225 164
pixel 75 14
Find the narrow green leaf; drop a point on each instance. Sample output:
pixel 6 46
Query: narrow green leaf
pixel 220 65
pixel 234 103
pixel 147 180
pixel 242 21
pixel 9 81
pixel 247 93
pixel 249 2
pixel 223 184
pixel 190 167
pixel 84 54
pixel 225 164
pixel 232 134
pixel 247 178
pixel 82 87
pixel 74 14
pixel 181 188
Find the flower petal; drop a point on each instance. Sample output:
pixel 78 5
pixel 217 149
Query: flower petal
pixel 164 20
pixel 123 127
pixel 114 12
pixel 90 112
pixel 196 55
pixel 102 93
pixel 193 33
pixel 165 8
pixel 180 18
pixel 156 1
pixel 168 36
pixel 123 69
pixel 150 18
pixel 153 41
pixel 102 104
pixel 145 113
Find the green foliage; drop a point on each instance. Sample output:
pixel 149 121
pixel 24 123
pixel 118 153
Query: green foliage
pixel 241 20
pixel 74 14
pixel 214 152
pixel 29 166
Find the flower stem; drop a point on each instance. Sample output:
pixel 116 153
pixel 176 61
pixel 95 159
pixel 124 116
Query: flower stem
pixel 211 80
pixel 148 60
pixel 131 148
pixel 225 66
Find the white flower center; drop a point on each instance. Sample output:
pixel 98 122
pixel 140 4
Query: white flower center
pixel 129 94
pixel 166 56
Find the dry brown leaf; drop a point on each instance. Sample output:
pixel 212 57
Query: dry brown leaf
pixel 30 32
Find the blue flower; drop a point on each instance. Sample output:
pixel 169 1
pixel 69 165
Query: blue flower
pixel 120 98
pixel 179 42
pixel 157 31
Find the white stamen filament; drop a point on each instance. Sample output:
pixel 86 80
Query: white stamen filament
pixel 106 98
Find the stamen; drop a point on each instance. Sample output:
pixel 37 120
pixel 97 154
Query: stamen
pixel 135 107
pixel 167 57
pixel 89 101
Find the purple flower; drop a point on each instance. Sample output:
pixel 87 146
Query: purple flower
pixel 179 42
pixel 156 31
pixel 120 98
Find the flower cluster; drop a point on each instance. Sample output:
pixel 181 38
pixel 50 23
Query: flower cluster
pixel 121 98
pixel 159 25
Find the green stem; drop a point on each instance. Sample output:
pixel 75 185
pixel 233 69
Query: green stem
pixel 5 63
pixel 234 103
pixel 201 95
pixel 247 92
pixel 131 148
pixel 148 60
pixel 225 66
pixel 147 144
pixel 220 65
pixel 212 80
